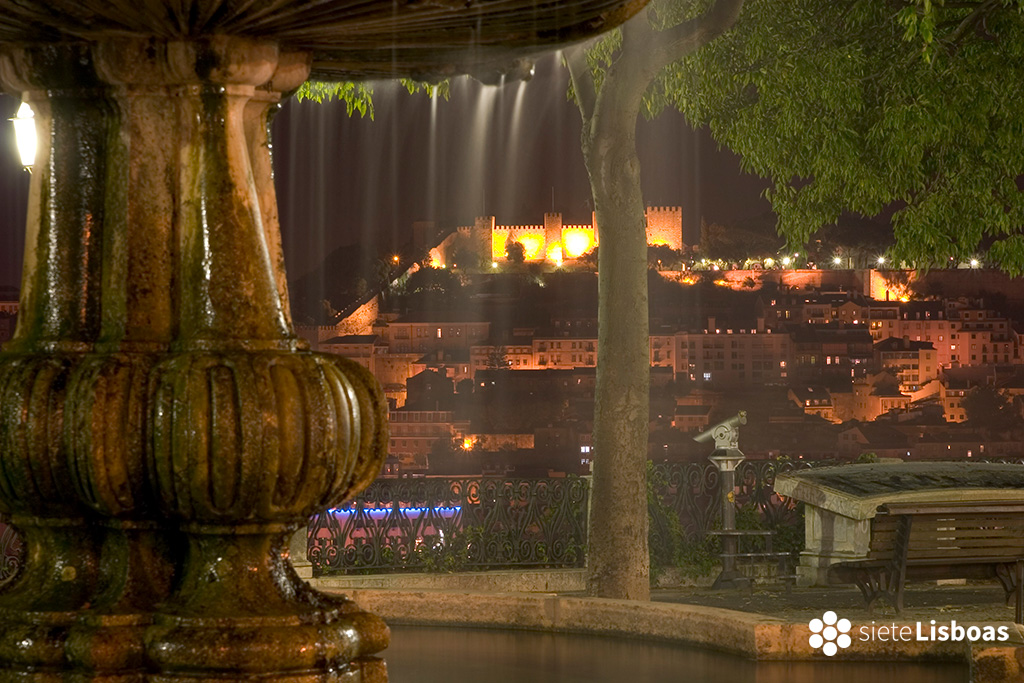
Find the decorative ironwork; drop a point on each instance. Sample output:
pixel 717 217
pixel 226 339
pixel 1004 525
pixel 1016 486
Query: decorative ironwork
pixel 693 492
pixel 454 523
pixel 11 552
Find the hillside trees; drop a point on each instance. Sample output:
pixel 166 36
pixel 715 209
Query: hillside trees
pixel 914 106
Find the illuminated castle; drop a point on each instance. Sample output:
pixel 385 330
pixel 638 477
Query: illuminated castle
pixel 555 242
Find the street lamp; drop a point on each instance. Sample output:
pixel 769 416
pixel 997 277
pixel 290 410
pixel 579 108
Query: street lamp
pixel 974 263
pixel 837 261
pixel 881 260
pixel 786 261
pixel 25 133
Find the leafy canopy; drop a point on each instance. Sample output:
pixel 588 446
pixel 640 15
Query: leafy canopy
pixel 861 105
pixel 358 97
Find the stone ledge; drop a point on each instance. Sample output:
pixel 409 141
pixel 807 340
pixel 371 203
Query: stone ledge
pixel 520 581
pixel 754 636
pixel 997 664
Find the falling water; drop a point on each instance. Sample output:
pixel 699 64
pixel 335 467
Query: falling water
pixel 477 151
pixel 432 162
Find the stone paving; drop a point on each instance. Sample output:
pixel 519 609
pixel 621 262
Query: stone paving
pixel 922 602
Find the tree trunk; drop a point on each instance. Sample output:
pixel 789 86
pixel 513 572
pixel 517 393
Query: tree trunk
pixel 618 564
pixel 618 559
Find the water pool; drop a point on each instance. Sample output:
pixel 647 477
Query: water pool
pixel 455 655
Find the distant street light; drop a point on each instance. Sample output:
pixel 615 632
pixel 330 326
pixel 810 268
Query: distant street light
pixel 974 263
pixel 25 133
pixel 786 261
pixel 837 261
pixel 881 260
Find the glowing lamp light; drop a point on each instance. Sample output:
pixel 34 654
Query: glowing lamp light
pixel 769 262
pixel 974 263
pixel 577 243
pixel 394 259
pixel 494 264
pixel 467 443
pixel 837 260
pixel 881 260
pixel 786 261
pixel 533 246
pixel 25 132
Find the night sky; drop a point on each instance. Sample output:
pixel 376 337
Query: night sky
pixel 485 150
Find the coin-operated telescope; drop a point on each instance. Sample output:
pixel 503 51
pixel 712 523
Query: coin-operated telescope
pixel 727 456
pixel 726 435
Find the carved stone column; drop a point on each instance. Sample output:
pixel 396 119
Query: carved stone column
pixel 162 430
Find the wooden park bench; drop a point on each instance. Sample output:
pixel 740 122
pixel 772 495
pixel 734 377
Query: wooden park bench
pixel 929 541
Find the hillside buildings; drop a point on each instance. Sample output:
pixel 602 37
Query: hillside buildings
pixel 472 381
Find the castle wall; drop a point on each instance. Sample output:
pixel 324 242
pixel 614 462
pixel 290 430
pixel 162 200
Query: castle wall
pixel 532 237
pixel 554 241
pixel 360 321
pixel 665 226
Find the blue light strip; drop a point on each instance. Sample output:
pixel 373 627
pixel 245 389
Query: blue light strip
pixel 403 511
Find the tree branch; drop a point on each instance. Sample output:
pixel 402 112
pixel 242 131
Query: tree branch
pixel 968 23
pixel 582 78
pixel 674 43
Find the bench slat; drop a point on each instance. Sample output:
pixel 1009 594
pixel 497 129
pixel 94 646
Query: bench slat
pixel 956 508
pixel 977 539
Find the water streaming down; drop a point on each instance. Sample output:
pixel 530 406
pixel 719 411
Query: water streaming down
pixel 433 169
pixel 516 132
pixel 477 152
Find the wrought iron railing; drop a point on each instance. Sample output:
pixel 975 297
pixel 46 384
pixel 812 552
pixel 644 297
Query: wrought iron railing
pixel 454 523
pixel 693 491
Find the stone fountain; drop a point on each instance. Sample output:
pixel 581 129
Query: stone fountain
pixel 162 429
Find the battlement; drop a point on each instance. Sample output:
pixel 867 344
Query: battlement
pixel 554 241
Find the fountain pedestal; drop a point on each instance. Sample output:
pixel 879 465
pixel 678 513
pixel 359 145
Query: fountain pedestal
pixel 177 433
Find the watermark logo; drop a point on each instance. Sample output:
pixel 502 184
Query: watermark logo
pixel 830 633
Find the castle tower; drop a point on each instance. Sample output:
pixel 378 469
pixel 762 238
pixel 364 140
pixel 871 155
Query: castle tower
pixel 665 226
pixel 552 233
pixel 483 233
